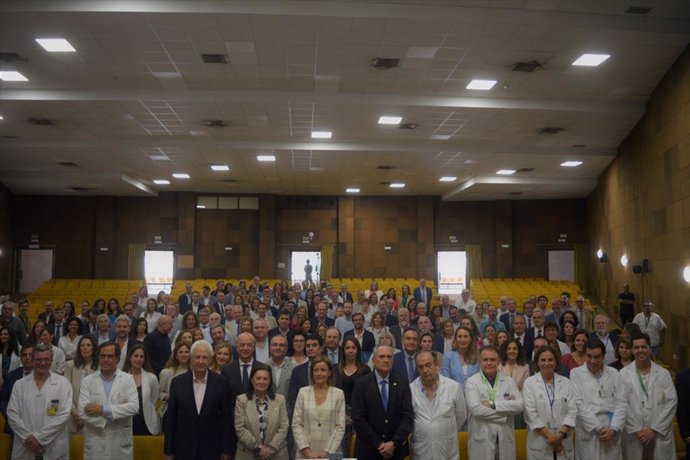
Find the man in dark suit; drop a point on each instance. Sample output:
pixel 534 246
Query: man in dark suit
pixel 47 315
pixel 683 409
pixel 404 364
pixel 423 293
pixel 344 295
pixel 185 300
pixel 368 340
pixel 103 332
pixel 425 326
pixel 26 356
pixel 58 326
pixel 239 370
pixel 403 323
pixel 508 317
pixel 198 422
pixel 525 336
pixel 157 344
pixel 321 317
pixel 382 413
pixel 283 327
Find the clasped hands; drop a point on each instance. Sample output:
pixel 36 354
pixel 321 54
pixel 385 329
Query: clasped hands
pixel 32 443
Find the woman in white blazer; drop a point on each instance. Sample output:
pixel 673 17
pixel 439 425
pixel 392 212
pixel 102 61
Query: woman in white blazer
pixel 261 403
pixel 84 363
pixel 550 410
pixel 146 421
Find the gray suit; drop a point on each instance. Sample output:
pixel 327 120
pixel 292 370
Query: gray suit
pixel 282 386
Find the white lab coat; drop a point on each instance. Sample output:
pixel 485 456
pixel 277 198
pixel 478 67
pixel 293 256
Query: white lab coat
pixel 595 400
pixel 437 422
pixel 109 439
pixel 27 414
pixel 657 413
pixel 538 414
pixel 149 398
pixel 486 424
pixel 59 361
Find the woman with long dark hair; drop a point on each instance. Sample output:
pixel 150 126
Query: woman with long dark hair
pixel 85 363
pixel 351 369
pixel 146 422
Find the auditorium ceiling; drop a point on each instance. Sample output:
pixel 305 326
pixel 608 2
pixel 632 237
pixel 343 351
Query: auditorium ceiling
pixel 136 102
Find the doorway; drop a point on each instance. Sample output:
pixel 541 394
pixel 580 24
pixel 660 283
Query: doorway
pixel 304 262
pixel 159 267
pixel 561 265
pixel 452 272
pixel 35 268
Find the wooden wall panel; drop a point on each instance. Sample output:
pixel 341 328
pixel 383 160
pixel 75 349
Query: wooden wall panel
pixel 7 221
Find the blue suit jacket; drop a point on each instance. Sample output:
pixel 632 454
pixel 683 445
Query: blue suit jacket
pixel 418 295
pixel 453 369
pixel 400 366
pixel 206 434
pixel 374 423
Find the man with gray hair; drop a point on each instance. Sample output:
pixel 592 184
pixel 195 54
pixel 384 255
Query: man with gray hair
pixel 39 409
pixel 610 340
pixel 11 322
pixel 103 333
pixel 465 302
pixel 122 338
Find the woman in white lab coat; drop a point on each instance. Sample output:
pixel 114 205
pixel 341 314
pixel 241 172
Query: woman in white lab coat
pixel 550 409
pixel 109 439
pixel 493 400
pixel 652 401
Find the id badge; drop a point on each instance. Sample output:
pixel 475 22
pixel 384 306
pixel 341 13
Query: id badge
pixel 554 425
pixel 53 408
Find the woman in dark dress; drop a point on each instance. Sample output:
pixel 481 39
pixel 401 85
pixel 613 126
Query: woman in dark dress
pixel 351 369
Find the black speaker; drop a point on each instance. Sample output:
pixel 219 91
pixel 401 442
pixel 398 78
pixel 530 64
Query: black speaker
pixel 637 269
pixel 645 265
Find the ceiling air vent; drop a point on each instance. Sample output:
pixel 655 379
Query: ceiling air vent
pixel 41 121
pixel 386 183
pixel 11 57
pixel 550 130
pixel 524 170
pixel 409 126
pixel 514 193
pixel 579 146
pixel 80 189
pixel 638 10
pixel 529 66
pixel 214 58
pixel 385 63
pixel 230 181
pixel 10 137
pixel 216 123
pixel 68 164
pixel 385 167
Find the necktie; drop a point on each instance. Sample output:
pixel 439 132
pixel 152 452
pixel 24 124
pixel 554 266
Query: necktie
pixel 334 357
pixel 539 334
pixel 529 323
pixel 410 369
pixel 384 394
pixel 58 331
pixel 245 377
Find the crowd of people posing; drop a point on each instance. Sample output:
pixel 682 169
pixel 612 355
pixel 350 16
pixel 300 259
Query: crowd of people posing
pixel 284 372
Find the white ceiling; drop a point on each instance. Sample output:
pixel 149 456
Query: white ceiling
pixel 137 89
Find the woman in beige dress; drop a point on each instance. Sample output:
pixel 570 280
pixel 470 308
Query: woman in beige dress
pixel 318 423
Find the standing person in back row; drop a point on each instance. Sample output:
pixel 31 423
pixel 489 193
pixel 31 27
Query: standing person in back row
pixel 651 324
pixel 308 269
pixel 626 305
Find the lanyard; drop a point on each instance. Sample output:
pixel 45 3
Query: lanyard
pixel 491 391
pixel 644 387
pixel 551 396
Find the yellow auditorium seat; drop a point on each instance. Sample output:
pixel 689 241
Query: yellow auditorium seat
pixel 5 445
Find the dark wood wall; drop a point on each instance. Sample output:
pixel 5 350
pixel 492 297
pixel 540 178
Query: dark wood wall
pixel 358 228
pixel 6 239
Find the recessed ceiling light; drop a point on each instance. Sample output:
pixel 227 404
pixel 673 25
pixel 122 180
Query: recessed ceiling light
pixel 220 167
pixel 266 158
pixel 389 120
pixel 200 206
pixel 397 185
pixel 12 75
pixel 505 172
pixel 1 117
pixel 448 179
pixel 591 60
pixel 161 182
pixel 686 274
pixel 571 164
pixel 321 134
pixel 56 45
pixel 180 175
pixel 484 85
pixel 352 190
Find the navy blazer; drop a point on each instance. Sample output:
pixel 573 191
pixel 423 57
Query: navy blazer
pixel 329 322
pixel 206 434
pixel 374 424
pixel 158 348
pixel 418 296
pixel 185 305
pixel 400 366
pixel 390 319
pixel 683 409
pixel 505 319
pixel 233 375
pixel 368 344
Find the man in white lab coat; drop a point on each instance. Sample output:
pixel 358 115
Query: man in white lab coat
pixel 493 399
pixel 38 411
pixel 601 406
pixel 107 401
pixel 652 401
pixel 440 411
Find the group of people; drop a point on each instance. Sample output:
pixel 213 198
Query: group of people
pixel 279 373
